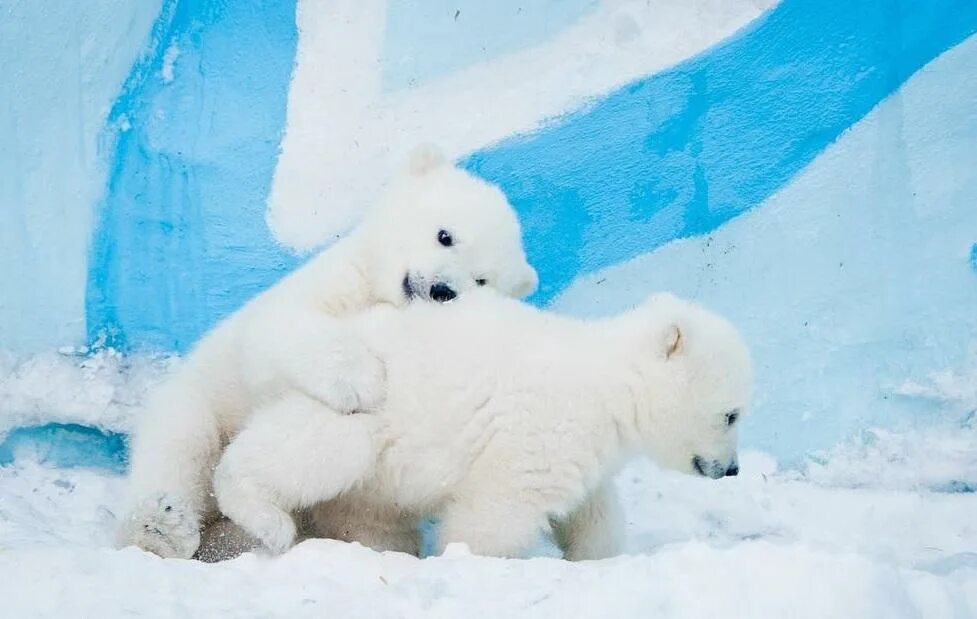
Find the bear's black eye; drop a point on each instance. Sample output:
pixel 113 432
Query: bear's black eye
pixel 444 237
pixel 481 281
pixel 731 417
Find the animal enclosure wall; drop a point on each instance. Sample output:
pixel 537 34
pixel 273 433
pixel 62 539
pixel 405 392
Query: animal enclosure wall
pixel 804 167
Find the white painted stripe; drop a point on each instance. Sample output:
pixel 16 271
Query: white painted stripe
pixel 344 135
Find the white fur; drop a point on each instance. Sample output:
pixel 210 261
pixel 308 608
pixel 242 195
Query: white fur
pixel 289 340
pixel 500 419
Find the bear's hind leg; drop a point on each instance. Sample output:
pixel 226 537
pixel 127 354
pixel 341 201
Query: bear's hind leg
pixel 293 454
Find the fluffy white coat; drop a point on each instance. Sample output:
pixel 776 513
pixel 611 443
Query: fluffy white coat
pixel 500 420
pixel 439 232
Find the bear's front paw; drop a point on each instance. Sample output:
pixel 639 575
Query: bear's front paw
pixel 162 525
pixel 354 384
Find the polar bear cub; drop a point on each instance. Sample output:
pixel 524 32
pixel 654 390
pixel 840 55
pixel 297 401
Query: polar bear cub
pixel 438 233
pixel 501 420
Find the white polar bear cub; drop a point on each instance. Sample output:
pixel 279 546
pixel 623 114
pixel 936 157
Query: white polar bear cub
pixel 438 233
pixel 502 420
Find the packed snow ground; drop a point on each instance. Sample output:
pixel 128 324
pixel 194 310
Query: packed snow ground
pixel 765 544
pixel 884 526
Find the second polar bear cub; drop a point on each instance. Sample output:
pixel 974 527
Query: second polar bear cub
pixel 438 233
pixel 512 424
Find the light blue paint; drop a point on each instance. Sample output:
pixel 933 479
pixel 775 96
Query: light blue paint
pixel 182 239
pixel 681 152
pixel 66 445
pixel 848 284
pixel 61 66
pixel 426 39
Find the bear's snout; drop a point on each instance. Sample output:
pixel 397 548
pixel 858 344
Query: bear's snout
pixel 714 469
pixel 442 293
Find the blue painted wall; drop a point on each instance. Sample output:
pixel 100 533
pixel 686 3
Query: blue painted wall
pixel 181 238
pixel 673 155
pixel 680 153
pixel 61 67
pixel 419 31
pixel 191 143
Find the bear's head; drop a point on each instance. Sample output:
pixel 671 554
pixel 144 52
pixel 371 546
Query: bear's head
pixel 439 231
pixel 697 384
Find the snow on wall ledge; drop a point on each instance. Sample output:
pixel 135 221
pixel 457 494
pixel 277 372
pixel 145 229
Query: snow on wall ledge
pixel 719 148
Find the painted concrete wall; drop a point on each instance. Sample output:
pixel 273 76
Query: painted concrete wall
pixel 61 66
pixel 801 166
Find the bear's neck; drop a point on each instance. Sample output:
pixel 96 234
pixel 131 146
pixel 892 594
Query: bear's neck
pixel 612 390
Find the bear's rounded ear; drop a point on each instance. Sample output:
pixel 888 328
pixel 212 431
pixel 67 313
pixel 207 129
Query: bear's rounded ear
pixel 527 282
pixel 664 311
pixel 424 158
pixel 673 341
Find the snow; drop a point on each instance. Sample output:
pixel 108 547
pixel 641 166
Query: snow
pixel 880 526
pixel 102 390
pixel 768 543
pixel 876 352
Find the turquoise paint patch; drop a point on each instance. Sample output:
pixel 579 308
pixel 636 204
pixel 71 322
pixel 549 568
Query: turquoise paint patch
pixel 426 39
pixel 973 257
pixel 181 239
pixel 680 153
pixel 66 445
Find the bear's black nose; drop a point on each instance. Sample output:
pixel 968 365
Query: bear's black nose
pixel 442 293
pixel 733 470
